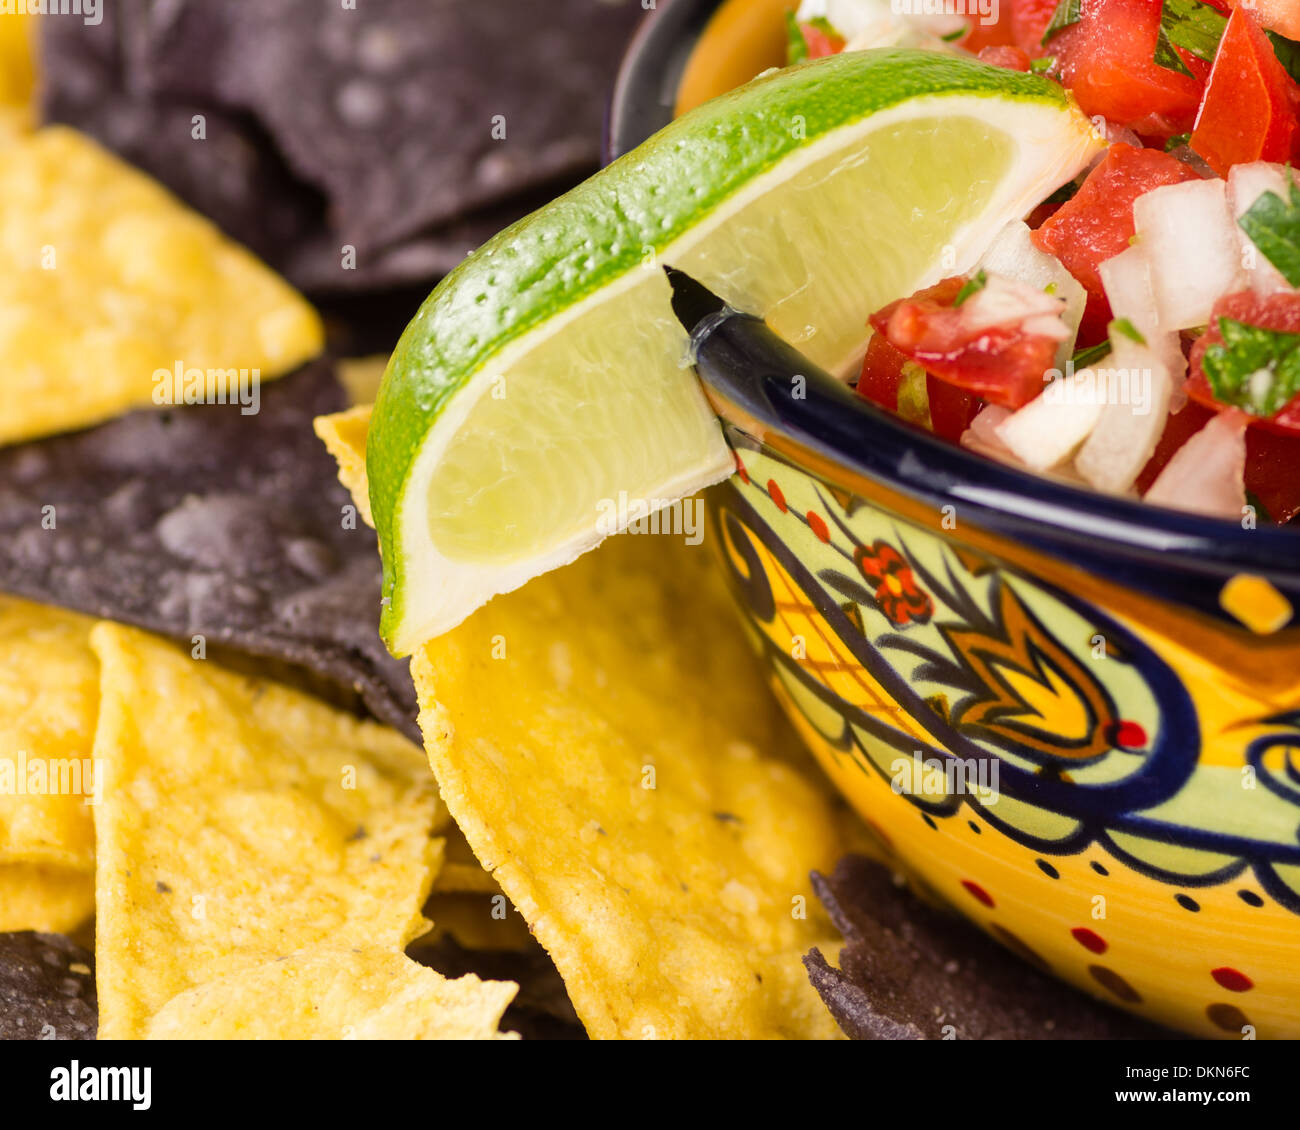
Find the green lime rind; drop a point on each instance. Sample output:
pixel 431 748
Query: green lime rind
pixel 608 226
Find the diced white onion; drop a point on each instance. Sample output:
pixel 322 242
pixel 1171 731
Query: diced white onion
pixel 1046 431
pixel 1004 302
pixel 1208 473
pixel 1132 419
pixel 1012 255
pixel 1190 242
pixel 1246 184
pixel 1127 280
pixel 982 435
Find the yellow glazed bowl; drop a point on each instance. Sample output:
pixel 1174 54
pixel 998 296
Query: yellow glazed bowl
pixel 1076 718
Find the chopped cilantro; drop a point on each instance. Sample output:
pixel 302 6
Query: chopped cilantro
pixel 1067 13
pixel 1177 142
pixel 1193 26
pixel 1254 369
pixel 1287 52
pixel 822 24
pixel 1085 357
pixel 1064 193
pixel 1198 27
pixel 978 281
pixel 796 47
pixel 1042 65
pixel 1273 225
pixel 1128 329
pixel 953 36
pixel 1167 56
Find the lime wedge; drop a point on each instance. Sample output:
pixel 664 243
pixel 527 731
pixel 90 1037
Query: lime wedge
pixel 547 374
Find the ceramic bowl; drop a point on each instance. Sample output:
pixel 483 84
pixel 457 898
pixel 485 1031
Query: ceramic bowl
pixel 1074 717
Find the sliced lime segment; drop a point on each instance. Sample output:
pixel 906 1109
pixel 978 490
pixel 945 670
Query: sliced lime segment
pixel 563 428
pixel 544 377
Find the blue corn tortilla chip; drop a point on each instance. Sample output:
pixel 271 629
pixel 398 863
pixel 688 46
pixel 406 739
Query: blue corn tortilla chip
pixel 233 175
pixel 204 521
pixel 405 113
pixel 47 988
pixel 282 169
pixel 910 971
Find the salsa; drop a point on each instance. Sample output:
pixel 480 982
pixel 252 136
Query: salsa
pixel 1173 262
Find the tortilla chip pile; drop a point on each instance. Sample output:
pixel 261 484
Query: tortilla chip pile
pixel 660 850
pixel 207 525
pixel 260 859
pixel 405 132
pixel 256 859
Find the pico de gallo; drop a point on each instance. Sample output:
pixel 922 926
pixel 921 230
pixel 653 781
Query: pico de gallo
pixel 1138 331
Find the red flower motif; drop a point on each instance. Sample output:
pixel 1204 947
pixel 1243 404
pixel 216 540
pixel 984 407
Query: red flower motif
pixel 898 595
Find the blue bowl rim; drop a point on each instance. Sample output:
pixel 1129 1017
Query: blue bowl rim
pixel 1128 539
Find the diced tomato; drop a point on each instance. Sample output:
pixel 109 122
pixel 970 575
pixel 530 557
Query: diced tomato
pixel 1029 20
pixel 1281 16
pixel 1249 109
pixel 820 43
pixel 1042 213
pixel 1012 58
pixel 882 372
pixel 1183 424
pixel 995 34
pixel 1272 312
pixel 1003 365
pixel 951 408
pixel 1107 59
pixel 1097 222
pixel 1271 461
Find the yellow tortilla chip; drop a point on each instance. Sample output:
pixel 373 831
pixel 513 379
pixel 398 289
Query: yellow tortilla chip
pixel 478 922
pixel 362 376
pixel 241 821
pixel 460 871
pixel 53 899
pixel 333 993
pixel 49 696
pixel 110 288
pixel 605 742
pixel 17 75
pixel 344 436
pixel 706 666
